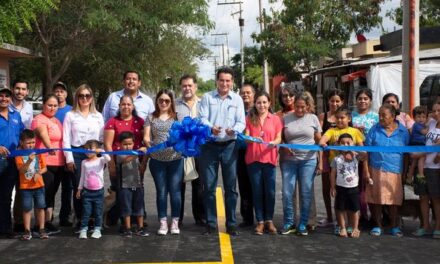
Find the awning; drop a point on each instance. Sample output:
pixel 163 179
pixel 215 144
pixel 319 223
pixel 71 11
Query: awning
pixel 353 76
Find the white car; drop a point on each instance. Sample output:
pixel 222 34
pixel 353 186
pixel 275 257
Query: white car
pixel 37 107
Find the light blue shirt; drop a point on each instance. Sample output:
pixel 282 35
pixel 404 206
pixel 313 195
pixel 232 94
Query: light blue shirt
pixel 388 162
pixel 142 103
pixel 224 113
pixel 366 121
pixel 26 113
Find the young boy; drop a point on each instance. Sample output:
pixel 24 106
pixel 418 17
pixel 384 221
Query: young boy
pixel 417 138
pixel 344 181
pixel 31 169
pixel 131 193
pixel 91 188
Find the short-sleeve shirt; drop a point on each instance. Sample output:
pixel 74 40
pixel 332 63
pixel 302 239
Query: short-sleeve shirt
pixel 417 137
pixel 366 121
pixel 256 152
pixel 27 180
pixel 159 134
pixel 431 137
pixel 55 133
pixel 390 161
pixel 347 174
pixel 26 113
pixel 142 103
pixel 128 172
pixel 10 130
pixel 61 112
pixel 300 130
pixel 333 135
pixel 134 125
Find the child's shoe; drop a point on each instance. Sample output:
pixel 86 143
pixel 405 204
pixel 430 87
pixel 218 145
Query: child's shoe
pixel 141 232
pixel 26 236
pixel 175 226
pixel 43 234
pixel 96 234
pixel 163 229
pixel 83 234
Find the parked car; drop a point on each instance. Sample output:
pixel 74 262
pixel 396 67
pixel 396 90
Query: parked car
pixel 430 90
pixel 37 107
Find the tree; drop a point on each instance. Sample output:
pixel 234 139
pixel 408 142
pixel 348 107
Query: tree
pixel 18 15
pixel 429 13
pixel 253 60
pixel 304 31
pixel 95 41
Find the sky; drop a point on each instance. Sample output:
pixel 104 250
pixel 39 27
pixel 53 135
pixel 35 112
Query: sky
pixel 226 23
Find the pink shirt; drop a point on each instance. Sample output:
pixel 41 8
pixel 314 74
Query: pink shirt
pixel 256 152
pixel 55 132
pixel 134 125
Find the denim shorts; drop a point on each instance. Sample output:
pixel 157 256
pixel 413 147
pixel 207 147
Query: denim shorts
pixel 33 198
pixel 131 201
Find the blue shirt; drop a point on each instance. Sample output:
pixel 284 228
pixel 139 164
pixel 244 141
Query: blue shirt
pixel 10 130
pixel 224 113
pixel 61 113
pixel 142 103
pixel 417 138
pixel 388 162
pixel 366 121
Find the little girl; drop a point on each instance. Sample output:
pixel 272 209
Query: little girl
pixel 91 188
pixel 261 160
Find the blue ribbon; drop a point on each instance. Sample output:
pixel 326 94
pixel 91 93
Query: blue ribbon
pixel 384 149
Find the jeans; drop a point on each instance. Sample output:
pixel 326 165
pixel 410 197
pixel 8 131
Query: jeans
pixel 32 198
pixel 8 179
pixel 304 172
pixel 168 176
pixel 263 189
pixel 92 202
pixel 213 155
pixel 77 204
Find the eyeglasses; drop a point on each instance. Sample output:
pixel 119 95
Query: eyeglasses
pixel 161 101
pixel 84 96
pixel 288 95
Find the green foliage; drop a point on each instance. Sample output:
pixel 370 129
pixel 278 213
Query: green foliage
pixel 253 59
pixel 205 86
pixel 304 31
pixel 18 15
pixel 429 13
pixel 95 41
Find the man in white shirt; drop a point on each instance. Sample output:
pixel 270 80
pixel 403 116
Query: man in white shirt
pixel 142 102
pixel 19 93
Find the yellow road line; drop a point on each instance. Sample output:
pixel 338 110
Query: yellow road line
pixel 224 239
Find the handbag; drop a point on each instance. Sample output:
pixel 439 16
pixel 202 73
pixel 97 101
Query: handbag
pixel 189 169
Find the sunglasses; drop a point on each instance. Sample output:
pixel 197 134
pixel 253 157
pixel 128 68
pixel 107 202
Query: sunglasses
pixel 84 96
pixel 161 101
pixel 288 95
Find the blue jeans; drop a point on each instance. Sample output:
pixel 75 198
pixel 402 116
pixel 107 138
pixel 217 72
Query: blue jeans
pixel 8 178
pixel 213 155
pixel 262 176
pixel 168 176
pixel 304 172
pixel 33 198
pixel 92 202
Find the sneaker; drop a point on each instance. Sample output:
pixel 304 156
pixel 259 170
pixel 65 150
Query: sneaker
pixel 83 234
pixel 288 229
pixel 26 236
pixel 127 233
pixel 141 232
pixel 175 227
pixel 302 230
pixel 96 234
pixel 43 234
pixel 232 231
pixel 259 229
pixel 163 229
pixel 51 229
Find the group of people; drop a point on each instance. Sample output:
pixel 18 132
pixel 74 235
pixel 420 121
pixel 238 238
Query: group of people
pixel 361 183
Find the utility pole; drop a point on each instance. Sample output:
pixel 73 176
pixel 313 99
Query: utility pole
pixel 241 24
pixel 265 66
pixel 215 65
pixel 223 51
pixel 227 45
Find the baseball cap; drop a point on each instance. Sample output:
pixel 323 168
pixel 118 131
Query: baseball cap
pixel 4 89
pixel 61 85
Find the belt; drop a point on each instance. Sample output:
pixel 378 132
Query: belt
pixel 223 143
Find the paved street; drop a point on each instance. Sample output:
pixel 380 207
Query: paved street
pixel 320 246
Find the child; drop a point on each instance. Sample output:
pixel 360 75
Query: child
pixel 417 138
pixel 131 193
pixel 91 188
pixel 344 181
pixel 31 169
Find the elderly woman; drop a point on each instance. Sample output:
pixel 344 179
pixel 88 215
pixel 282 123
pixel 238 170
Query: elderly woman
pixel 384 177
pixel 402 117
pixel 49 132
pixel 300 127
pixel 82 123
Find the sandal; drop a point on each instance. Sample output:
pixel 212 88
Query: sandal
pixel 343 232
pixel 395 231
pixel 356 233
pixel 376 231
pixel 43 234
pixel 26 236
